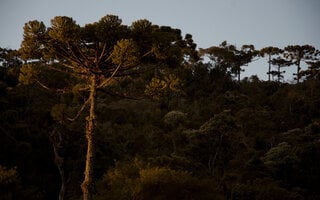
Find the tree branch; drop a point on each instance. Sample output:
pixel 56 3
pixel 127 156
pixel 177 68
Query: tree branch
pixel 103 51
pixel 70 57
pixel 60 70
pixel 76 57
pixel 83 56
pixel 80 111
pixel 147 53
pixel 53 89
pixel 80 71
pixel 104 83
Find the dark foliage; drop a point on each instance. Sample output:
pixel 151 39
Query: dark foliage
pixel 204 136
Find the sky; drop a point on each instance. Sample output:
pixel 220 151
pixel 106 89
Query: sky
pixel 259 22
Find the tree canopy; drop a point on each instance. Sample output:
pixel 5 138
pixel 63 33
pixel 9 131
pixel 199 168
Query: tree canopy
pixel 231 58
pixel 113 111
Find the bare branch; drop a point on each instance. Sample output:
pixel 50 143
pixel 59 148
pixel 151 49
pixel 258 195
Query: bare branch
pixel 80 111
pixel 66 65
pixel 83 56
pixel 103 51
pixel 104 83
pixel 149 52
pixel 75 71
pixel 84 89
pixel 79 60
pixel 69 57
pixel 65 90
pixel 60 70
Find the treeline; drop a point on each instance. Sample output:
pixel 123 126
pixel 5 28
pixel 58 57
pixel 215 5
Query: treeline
pixel 173 127
pixel 233 60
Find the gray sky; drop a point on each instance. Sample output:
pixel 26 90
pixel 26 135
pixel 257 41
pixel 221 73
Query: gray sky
pixel 258 22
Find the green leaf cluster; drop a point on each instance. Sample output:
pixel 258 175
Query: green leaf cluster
pixel 125 53
pixel 28 74
pixel 162 87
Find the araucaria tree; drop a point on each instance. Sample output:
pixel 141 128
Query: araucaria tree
pixel 230 58
pixel 296 53
pixel 92 56
pixel 280 62
pixel 270 52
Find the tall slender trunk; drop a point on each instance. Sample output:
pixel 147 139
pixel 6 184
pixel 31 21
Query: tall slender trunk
pixel 269 67
pixel 298 71
pixel 279 74
pixel 239 71
pixel 86 185
pixel 56 140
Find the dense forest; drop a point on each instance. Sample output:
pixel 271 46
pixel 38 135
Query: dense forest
pixel 114 111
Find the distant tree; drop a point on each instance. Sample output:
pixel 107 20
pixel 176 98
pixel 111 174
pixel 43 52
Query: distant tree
pixel 313 71
pixel 92 57
pixel 10 63
pixel 280 62
pixel 229 57
pixel 269 51
pixel 244 57
pixel 191 52
pixel 296 53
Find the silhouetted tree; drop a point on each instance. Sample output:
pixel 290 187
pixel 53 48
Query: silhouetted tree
pixel 280 62
pixel 296 53
pixel 269 51
pixel 313 67
pixel 229 57
pixel 10 63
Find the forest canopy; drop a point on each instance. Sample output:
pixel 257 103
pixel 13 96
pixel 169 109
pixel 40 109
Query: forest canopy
pixel 115 111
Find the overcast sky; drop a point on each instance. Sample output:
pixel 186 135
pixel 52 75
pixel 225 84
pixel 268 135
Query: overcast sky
pixel 258 22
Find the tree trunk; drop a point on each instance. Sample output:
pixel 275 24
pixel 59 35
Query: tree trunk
pixel 279 75
pixel 269 67
pixel 86 185
pixel 298 71
pixel 239 71
pixel 56 140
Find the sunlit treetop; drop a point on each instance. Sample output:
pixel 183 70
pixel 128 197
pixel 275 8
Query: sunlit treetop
pixel 103 47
